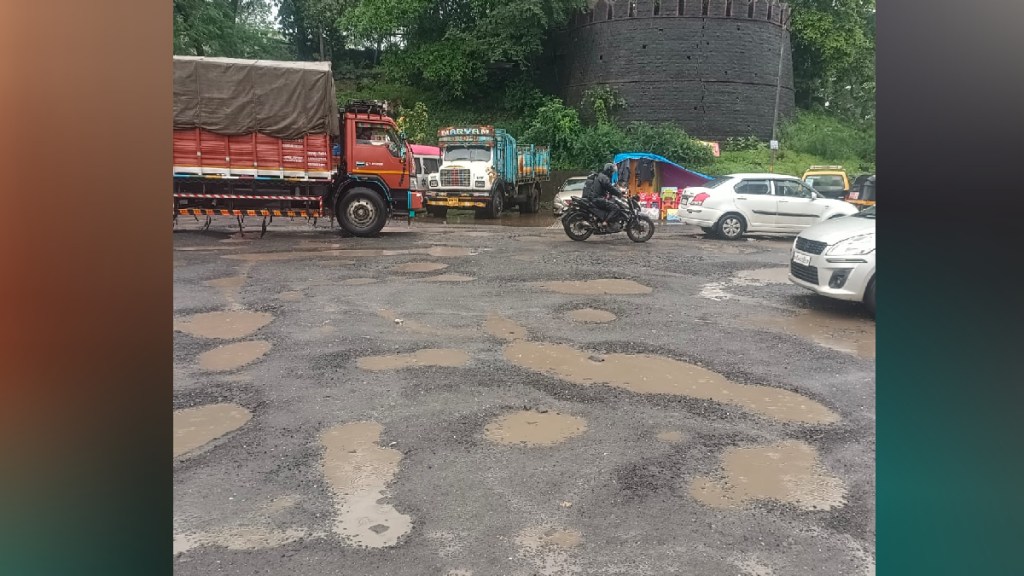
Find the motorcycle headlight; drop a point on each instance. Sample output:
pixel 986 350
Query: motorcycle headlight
pixel 855 246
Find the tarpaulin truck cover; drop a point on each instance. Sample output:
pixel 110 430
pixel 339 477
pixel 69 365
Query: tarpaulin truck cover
pixel 229 96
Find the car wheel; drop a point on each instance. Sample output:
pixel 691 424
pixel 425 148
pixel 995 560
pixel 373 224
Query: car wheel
pixel 731 226
pixel 869 297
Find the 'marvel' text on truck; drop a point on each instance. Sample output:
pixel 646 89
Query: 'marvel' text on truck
pixel 483 169
pixel 265 138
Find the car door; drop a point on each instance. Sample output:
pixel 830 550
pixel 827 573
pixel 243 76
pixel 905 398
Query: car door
pixel 757 204
pixel 797 206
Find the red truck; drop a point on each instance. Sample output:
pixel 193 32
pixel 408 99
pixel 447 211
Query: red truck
pixel 266 138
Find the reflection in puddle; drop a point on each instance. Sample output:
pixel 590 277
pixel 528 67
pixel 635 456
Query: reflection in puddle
pixel 646 374
pixel 358 471
pixel 788 472
pixel 596 287
pixel 534 428
pixel 195 427
pixel 591 316
pixel 223 325
pixel 547 548
pixel 448 357
pixel 504 328
pixel 420 267
pixel 833 330
pixel 233 356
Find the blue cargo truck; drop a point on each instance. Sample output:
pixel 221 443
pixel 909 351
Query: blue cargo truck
pixel 483 169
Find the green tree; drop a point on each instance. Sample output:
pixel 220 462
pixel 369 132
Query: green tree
pixel 231 28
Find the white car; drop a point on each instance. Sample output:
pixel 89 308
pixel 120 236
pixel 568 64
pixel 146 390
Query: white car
pixel 837 258
pixel 752 203
pixel 571 187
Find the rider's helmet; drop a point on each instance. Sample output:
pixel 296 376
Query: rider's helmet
pixel 609 169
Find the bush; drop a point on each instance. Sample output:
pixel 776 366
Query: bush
pixel 669 141
pixel 743 144
pixel 828 138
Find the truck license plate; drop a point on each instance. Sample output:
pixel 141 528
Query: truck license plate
pixel 801 258
pixel 453 201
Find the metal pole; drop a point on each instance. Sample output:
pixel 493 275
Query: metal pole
pixel 778 91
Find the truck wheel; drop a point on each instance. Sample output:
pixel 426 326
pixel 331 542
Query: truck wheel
pixel 497 205
pixel 361 212
pixel 532 203
pixel 439 211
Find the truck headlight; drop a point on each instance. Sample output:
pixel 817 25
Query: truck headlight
pixel 479 183
pixel 433 183
pixel 855 246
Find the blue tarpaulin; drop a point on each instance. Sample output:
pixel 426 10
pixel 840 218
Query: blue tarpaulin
pixel 672 175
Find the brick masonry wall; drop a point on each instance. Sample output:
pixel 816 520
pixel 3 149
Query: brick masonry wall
pixel 713 75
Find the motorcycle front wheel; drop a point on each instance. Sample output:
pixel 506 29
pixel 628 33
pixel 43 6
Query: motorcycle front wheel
pixel 641 229
pixel 575 226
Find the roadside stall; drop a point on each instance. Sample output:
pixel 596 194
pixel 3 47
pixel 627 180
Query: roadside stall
pixel 656 180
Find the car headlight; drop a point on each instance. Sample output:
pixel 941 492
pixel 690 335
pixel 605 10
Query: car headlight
pixel 858 245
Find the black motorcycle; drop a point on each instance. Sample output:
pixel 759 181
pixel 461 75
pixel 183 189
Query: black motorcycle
pixel 582 218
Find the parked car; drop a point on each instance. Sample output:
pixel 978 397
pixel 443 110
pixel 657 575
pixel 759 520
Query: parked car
pixel 837 258
pixel 736 204
pixel 571 187
pixel 862 194
pixel 829 181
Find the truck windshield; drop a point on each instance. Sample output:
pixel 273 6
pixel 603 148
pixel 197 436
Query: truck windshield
pixel 467 153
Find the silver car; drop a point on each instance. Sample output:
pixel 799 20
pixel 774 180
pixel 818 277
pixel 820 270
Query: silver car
pixel 837 258
pixel 571 187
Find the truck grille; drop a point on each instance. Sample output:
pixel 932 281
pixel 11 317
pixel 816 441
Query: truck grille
pixel 454 177
pixel 805 273
pixel 810 246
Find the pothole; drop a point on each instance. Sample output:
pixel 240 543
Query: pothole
pixel 548 549
pixel 596 287
pixel 646 374
pixel 420 267
pixel 447 357
pixel 789 472
pixel 450 278
pixel 196 427
pixel 531 428
pixel 358 472
pixel 233 356
pixel 591 316
pixel 290 296
pixel 358 281
pixel 670 437
pixel 225 325
pixel 831 330
pixel 504 328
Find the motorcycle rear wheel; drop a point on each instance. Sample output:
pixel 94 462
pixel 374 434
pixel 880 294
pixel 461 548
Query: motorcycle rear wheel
pixel 573 226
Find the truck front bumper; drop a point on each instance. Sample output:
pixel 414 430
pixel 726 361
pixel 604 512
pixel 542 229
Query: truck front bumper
pixel 456 200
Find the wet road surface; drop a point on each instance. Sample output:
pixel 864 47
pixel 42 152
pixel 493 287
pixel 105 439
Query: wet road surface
pixel 463 397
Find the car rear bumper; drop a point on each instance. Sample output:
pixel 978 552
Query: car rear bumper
pixel 699 216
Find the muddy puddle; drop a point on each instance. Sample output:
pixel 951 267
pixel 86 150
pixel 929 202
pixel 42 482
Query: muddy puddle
pixel 645 374
pixel 837 331
pixel 446 357
pixel 449 251
pixel 504 328
pixel 196 427
pixel 549 549
pixel 763 276
pixel 591 316
pixel 531 428
pixel 224 325
pixel 789 472
pixel 595 287
pixel 254 537
pixel 449 278
pixel 230 287
pixel 671 437
pixel 358 472
pixel 420 267
pixel 233 356
pixel 358 281
pixel 290 296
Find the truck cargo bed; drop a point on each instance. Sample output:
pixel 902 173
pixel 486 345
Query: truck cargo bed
pixel 201 152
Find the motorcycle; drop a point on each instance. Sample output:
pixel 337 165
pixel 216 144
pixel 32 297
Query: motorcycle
pixel 582 218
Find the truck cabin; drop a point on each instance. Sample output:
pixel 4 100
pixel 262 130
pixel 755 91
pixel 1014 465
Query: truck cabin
pixel 466 144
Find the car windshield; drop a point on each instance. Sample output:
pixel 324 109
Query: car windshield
pixel 574 185
pixel 467 153
pixel 868 212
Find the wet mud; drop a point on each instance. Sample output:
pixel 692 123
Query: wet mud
pixel 450 278
pixel 358 472
pixel 788 472
pixel 196 427
pixel 420 267
pixel 646 374
pixel 671 437
pixel 358 281
pixel 504 328
pixel 834 330
pixel 531 428
pixel 596 287
pixel 225 325
pixel 290 296
pixel 549 549
pixel 233 356
pixel 447 357
pixel 591 316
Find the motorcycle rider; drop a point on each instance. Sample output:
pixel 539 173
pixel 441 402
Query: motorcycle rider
pixel 598 186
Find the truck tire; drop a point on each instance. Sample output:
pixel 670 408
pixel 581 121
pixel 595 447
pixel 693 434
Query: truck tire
pixel 361 212
pixel 532 203
pixel 496 207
